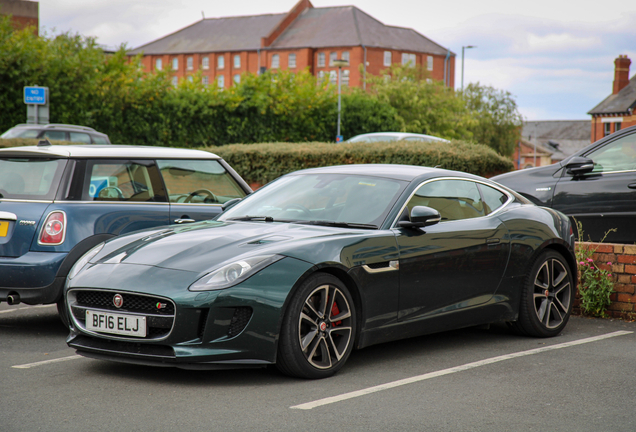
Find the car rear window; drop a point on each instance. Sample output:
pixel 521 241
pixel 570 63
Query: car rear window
pixel 100 139
pixel 20 133
pixel 30 178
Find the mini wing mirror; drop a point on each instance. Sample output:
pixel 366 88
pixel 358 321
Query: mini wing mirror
pixel 231 203
pixel 580 165
pixel 421 216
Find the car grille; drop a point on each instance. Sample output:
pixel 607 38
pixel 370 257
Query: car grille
pixel 159 311
pixel 240 319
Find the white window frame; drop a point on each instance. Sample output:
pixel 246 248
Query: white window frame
pixel 189 63
pixel 158 64
pixel 220 62
pixel 205 63
pixel 221 81
pixel 409 58
pixel 332 57
pixel 345 56
pixel 175 81
pixel 205 80
pixel 388 58
pixel 291 60
pixel 175 63
pixel 345 77
pixel 237 79
pixel 275 61
pixel 237 61
pixel 429 63
pixel 321 59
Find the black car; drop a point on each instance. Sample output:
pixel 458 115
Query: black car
pixel 321 261
pixel 59 132
pixel 596 186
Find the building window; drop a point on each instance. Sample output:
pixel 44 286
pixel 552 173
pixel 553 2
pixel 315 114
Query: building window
pixel 291 61
pixel 175 81
pixel 606 129
pixel 237 78
pixel 205 63
pixel 321 59
pixel 190 78
pixel 332 56
pixel 321 76
pixel 221 81
pixel 333 77
pixel 345 56
pixel 175 64
pixel 275 61
pixel 387 58
pixel 429 63
pixel 237 61
pixel 408 59
pixel 205 81
pixel 345 77
pixel 158 64
pixel 220 63
pixel 189 63
pixel 617 126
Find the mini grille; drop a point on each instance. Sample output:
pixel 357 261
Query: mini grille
pixel 239 321
pixel 132 302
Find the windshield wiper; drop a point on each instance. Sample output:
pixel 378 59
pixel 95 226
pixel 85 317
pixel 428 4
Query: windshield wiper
pixel 337 224
pixel 252 218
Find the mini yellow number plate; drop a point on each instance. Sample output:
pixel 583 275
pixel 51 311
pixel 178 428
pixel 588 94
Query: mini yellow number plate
pixel 4 228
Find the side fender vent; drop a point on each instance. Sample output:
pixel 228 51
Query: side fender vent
pixel 239 321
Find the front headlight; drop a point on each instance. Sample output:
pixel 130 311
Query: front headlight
pixel 80 263
pixel 233 273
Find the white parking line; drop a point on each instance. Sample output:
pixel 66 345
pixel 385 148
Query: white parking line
pixel 354 394
pixel 25 308
pixel 40 363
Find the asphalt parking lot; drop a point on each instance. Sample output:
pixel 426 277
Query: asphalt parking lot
pixel 468 380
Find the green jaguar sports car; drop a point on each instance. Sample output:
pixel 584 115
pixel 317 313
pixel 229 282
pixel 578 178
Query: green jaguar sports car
pixel 320 262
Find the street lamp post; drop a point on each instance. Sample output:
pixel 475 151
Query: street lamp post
pixel 339 63
pixel 465 47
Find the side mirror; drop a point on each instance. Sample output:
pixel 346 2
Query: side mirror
pixel 421 216
pixel 580 165
pixel 227 204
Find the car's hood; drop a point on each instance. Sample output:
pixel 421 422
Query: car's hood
pixel 201 246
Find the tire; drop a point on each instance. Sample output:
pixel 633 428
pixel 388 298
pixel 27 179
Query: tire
pixel 62 313
pixel 547 297
pixel 318 330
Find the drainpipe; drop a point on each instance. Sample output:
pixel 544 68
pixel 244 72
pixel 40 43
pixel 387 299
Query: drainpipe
pixel 446 71
pixel 364 69
pixel 258 55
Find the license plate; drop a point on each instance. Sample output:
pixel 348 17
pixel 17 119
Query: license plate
pixel 105 322
pixel 4 228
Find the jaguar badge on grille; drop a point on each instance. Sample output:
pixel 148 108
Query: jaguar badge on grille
pixel 118 300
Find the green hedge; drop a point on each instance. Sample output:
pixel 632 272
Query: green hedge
pixel 262 163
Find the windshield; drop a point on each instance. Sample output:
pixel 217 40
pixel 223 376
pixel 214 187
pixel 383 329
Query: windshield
pixel 29 178
pixel 20 133
pixel 329 198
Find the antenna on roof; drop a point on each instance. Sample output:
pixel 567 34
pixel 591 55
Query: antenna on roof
pixel 44 142
pixel 202 15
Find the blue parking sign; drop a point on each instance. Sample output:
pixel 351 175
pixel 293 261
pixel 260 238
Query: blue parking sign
pixel 35 95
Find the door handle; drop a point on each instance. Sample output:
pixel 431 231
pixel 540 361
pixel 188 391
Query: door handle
pixel 181 220
pixel 632 185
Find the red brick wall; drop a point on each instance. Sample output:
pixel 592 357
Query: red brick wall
pixel 598 127
pixel 623 270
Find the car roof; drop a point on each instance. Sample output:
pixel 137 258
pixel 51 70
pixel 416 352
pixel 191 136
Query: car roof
pixel 107 151
pixel 398 135
pixel 392 171
pixel 56 126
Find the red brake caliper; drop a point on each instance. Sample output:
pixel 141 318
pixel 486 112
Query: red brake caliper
pixel 334 312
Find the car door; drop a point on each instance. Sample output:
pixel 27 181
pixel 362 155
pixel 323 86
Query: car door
pixel 117 196
pixel 197 188
pixel 604 198
pixel 459 262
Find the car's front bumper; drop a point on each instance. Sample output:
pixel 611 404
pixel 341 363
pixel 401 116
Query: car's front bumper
pixel 234 327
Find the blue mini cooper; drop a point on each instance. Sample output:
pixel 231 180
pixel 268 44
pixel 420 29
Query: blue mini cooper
pixel 57 202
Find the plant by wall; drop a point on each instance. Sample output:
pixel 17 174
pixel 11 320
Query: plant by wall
pixel 596 284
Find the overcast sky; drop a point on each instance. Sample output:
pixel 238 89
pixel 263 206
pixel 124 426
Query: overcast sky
pixel 555 56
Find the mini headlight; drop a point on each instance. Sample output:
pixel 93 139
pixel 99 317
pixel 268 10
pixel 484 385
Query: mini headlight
pixel 233 273
pixel 80 263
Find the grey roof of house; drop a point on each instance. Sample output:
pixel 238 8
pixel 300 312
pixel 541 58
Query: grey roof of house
pixel 618 103
pixel 241 33
pixel 349 26
pixel 570 135
pixel 313 28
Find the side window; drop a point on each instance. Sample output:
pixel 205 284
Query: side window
pixel 80 137
pixel 122 181
pixel 198 181
pixel 493 199
pixel 619 155
pixel 453 199
pixel 99 139
pixel 55 135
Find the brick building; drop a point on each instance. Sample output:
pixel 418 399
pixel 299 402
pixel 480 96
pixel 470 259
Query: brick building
pixel 23 13
pixel 616 112
pixel 310 38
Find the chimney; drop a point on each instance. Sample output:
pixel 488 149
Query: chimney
pixel 621 73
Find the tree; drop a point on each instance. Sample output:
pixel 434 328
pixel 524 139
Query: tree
pixel 498 122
